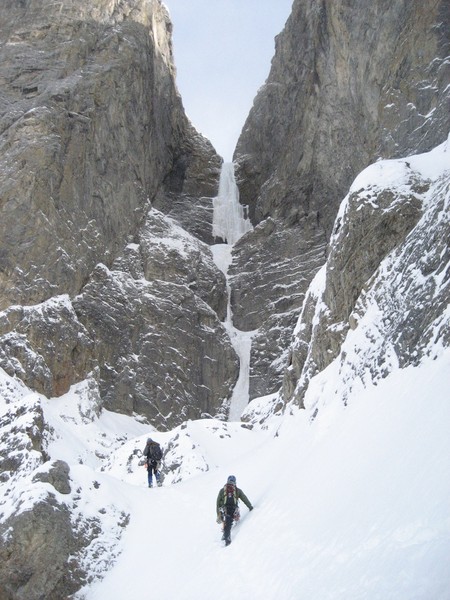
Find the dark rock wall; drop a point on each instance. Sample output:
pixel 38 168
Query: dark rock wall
pixel 95 283
pixel 162 351
pixel 92 135
pixel 91 125
pixel 386 278
pixel 45 535
pixel 351 81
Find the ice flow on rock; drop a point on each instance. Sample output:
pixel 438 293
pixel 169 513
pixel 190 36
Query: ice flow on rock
pixel 230 221
pixel 229 224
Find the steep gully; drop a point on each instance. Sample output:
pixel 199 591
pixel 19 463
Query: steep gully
pixel 230 223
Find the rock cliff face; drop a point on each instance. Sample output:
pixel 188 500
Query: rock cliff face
pixel 381 301
pixel 351 81
pixel 92 134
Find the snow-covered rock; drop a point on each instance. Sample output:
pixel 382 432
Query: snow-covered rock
pixel 111 301
pixel 382 299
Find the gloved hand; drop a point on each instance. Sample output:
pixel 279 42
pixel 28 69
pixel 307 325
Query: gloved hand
pixel 219 519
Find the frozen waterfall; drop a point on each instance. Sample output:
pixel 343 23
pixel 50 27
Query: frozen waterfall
pixel 229 219
pixel 230 224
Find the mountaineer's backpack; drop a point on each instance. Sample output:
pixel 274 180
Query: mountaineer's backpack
pixel 230 497
pixel 155 452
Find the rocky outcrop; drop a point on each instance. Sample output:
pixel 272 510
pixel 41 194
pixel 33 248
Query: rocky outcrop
pixel 269 275
pixel 21 439
pixel 34 559
pixel 162 351
pixel 37 538
pixel 350 82
pixel 47 541
pixel 45 345
pixel 92 134
pixel 149 330
pixel 34 555
pixel 188 189
pixel 57 475
pixel 381 301
pixel 169 253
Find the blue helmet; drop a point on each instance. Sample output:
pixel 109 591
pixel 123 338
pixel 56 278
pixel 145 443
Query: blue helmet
pixel 231 479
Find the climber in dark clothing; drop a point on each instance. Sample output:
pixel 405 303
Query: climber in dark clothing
pixel 153 456
pixel 227 506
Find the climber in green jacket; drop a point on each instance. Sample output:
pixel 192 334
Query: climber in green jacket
pixel 227 506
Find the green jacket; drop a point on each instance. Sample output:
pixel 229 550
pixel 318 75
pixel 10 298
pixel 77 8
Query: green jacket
pixel 240 495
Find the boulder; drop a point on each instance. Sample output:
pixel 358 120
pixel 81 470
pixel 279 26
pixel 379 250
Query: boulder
pixel 34 554
pixel 57 475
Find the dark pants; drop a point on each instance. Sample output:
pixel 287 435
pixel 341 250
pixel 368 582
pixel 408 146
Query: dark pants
pixel 152 467
pixel 228 516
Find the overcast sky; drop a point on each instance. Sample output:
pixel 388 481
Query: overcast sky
pixel 223 50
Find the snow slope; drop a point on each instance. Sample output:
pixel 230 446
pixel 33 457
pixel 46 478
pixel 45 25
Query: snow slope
pixel 354 505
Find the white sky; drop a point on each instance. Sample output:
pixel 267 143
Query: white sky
pixel 223 50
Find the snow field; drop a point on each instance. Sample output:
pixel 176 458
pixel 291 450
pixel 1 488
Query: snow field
pixel 356 509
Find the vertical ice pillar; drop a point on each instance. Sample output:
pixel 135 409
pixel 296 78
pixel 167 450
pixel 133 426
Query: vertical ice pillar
pixel 229 219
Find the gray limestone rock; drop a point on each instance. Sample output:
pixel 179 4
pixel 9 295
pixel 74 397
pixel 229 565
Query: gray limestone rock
pixel 34 554
pixel 91 128
pixel 350 82
pixel 187 192
pixel 92 132
pixel 270 273
pixel 57 475
pixel 21 438
pixel 37 538
pixel 385 272
pixel 45 346
pixel 46 538
pixel 161 350
pixel 170 253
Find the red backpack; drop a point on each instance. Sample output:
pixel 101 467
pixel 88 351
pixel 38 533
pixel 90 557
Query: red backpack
pixel 230 495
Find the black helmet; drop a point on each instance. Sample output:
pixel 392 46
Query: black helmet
pixel 231 479
pixel 149 440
